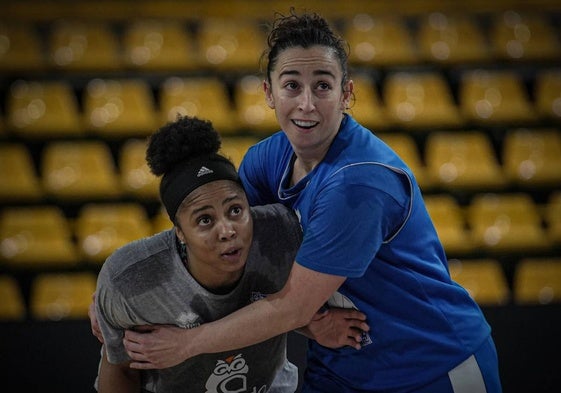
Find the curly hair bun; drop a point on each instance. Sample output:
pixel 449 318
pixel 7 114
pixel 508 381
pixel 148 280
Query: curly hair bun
pixel 181 140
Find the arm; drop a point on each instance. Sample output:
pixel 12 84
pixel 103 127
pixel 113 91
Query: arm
pixel 118 378
pixel 291 308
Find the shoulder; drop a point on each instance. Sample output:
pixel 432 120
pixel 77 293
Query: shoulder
pixel 137 251
pixel 275 220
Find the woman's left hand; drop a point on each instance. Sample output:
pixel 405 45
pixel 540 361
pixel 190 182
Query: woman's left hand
pixel 156 346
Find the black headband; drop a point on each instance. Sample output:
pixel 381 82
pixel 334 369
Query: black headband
pixel 191 174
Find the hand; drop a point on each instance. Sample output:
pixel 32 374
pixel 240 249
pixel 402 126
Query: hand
pixel 96 331
pixel 155 346
pixel 338 327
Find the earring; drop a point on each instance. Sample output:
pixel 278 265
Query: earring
pixel 182 250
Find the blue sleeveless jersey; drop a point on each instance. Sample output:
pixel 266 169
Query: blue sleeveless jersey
pixel 364 218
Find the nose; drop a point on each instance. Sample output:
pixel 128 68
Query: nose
pixel 226 231
pixel 306 101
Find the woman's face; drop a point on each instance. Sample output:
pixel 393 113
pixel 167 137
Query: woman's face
pixel 306 92
pixel 216 225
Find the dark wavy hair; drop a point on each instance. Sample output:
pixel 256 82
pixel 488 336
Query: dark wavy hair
pixel 306 30
pixel 179 141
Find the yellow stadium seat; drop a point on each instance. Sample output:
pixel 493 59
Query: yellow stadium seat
pixel 381 40
pixel 547 92
pixel 494 97
pixel 61 296
pixel 537 281
pixel 159 45
pixel 406 148
pixel 79 170
pixel 253 113
pixel 36 237
pixel 451 39
pixel 204 97
pixel 83 46
pixel 420 100
pixel 235 147
pixel 553 217
pixel 367 108
pixel 20 48
pixel 20 181
pixel 160 221
pixel 136 177
pixel 532 157
pixel 43 109
pixel 119 108
pixel 449 220
pixel 230 44
pixel 506 223
pixel 102 228
pixel 463 160
pixel 524 36
pixel 484 279
pixel 12 307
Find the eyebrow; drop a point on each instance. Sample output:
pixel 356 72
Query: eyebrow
pixel 224 202
pixel 316 72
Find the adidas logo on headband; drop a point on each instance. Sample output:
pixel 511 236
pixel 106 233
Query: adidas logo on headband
pixel 204 171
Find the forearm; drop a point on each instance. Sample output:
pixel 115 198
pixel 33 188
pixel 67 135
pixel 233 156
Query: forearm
pixel 117 378
pixel 251 325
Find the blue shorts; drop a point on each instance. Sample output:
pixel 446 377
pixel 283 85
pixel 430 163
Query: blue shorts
pixel 477 374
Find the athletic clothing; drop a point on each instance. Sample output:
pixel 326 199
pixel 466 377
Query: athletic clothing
pixel 146 282
pixel 364 218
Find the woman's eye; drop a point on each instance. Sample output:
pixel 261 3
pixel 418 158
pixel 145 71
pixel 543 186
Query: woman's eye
pixel 236 211
pixel 204 221
pixel 291 85
pixel 324 86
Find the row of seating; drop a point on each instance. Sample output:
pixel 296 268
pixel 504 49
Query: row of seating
pixel 67 295
pixel 43 236
pixel 86 169
pixel 237 43
pixel 117 108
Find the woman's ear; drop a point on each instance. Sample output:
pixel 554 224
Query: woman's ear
pixel 347 95
pixel 268 94
pixel 179 234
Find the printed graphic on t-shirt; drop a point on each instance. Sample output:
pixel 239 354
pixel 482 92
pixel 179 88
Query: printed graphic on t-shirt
pixel 230 376
pixel 339 300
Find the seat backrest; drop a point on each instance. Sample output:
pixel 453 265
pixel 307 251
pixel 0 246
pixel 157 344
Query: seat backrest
pixel 159 45
pixel 204 97
pixel 252 110
pixel 230 44
pixel 75 45
pixel 492 97
pixel 380 40
pixel 136 177
pixel 537 281
pixel 420 100
pixel 80 170
pixel 12 306
pixel 43 109
pixel 103 227
pixel 21 47
pixel 463 159
pixel 61 296
pixel 35 237
pixel 524 36
pixel 484 279
pixel 119 108
pixel 451 38
pixel 533 156
pixel 20 181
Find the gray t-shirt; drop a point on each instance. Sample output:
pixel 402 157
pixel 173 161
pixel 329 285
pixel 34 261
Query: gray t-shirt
pixel 145 282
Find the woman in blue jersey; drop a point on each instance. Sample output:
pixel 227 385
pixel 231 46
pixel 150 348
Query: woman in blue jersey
pixel 368 244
